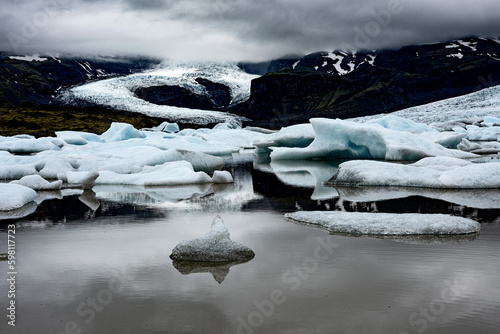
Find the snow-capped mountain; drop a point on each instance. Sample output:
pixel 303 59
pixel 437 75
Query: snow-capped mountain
pixel 345 84
pixel 35 79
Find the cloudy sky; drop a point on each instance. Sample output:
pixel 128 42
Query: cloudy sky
pixel 236 29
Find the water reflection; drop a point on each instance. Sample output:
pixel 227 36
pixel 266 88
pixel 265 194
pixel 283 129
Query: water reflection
pixel 218 270
pixel 475 198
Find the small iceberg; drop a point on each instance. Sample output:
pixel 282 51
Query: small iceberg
pixel 386 224
pixel 215 246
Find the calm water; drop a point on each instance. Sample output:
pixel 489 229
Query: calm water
pixel 108 270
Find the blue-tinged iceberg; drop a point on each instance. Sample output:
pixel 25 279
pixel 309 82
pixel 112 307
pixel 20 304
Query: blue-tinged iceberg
pixel 345 139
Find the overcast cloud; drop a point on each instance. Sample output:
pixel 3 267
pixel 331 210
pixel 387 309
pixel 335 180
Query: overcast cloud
pixel 236 29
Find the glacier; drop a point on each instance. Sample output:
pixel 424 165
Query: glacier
pixel 385 224
pixel 117 93
pixel 480 104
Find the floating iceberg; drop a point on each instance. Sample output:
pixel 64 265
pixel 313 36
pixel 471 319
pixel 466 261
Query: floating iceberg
pixel 386 224
pixel 15 196
pixel 85 180
pixel 215 246
pixel 37 182
pixel 345 139
pixel 436 172
pixel 300 135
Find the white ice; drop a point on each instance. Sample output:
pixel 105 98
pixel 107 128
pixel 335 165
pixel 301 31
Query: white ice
pixel 436 172
pixel 345 139
pixel 363 223
pixel 300 135
pixel 15 196
pixel 37 182
pixel 215 246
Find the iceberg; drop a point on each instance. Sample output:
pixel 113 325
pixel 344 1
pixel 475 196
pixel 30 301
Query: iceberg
pixel 483 133
pixel 215 246
pixel 341 139
pixel 37 182
pixel 385 224
pixel 435 172
pixel 15 196
pixel 85 180
pixel 168 174
pixel 29 145
pixel 300 135
pixel 120 131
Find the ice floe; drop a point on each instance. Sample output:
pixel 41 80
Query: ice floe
pixel 124 155
pixel 435 172
pixel 215 246
pixel 345 139
pixel 363 223
pixel 15 196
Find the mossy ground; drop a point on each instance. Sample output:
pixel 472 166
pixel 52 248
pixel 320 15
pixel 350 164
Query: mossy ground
pixel 46 120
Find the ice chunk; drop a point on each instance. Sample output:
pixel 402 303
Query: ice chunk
pixel 222 177
pixel 120 131
pixel 491 121
pixel 437 172
pixel 85 180
pixel 483 133
pixel 15 196
pixel 77 137
pixel 168 174
pixel 215 246
pixel 346 139
pixel 31 145
pixel 401 124
pixel 37 182
pixel 300 135
pixel 358 223
pixel 167 127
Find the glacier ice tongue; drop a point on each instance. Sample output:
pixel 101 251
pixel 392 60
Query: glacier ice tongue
pixel 345 139
pixel 386 224
pixel 15 196
pixel 215 246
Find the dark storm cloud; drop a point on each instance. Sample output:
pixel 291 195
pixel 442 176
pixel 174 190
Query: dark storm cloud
pixel 237 29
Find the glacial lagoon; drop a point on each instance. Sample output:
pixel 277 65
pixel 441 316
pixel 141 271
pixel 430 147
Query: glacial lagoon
pixel 99 261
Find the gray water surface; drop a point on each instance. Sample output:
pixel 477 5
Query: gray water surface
pixel 108 270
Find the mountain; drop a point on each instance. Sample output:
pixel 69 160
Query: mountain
pixel 35 80
pixel 341 84
pixel 276 93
